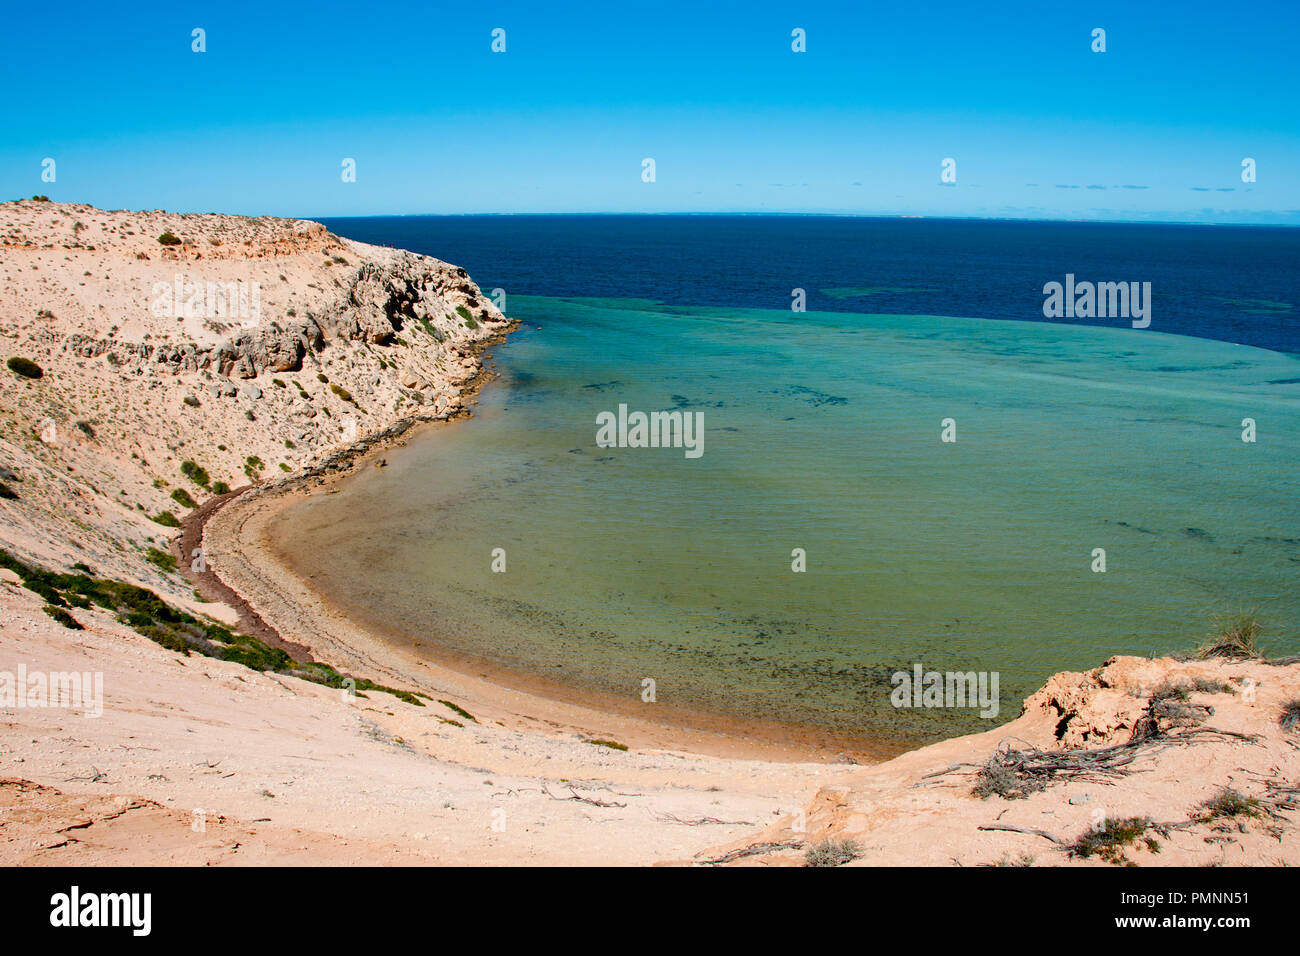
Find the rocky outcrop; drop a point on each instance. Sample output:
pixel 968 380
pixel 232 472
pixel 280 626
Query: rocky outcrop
pixel 254 348
pixel 375 307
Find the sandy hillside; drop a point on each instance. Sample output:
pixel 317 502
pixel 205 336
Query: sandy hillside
pixel 252 348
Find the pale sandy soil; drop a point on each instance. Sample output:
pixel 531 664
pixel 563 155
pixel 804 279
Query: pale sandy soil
pixel 287 771
pixel 197 761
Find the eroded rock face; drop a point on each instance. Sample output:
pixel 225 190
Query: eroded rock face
pixel 381 301
pixel 257 348
pixel 1113 703
pixel 1087 709
pixel 378 303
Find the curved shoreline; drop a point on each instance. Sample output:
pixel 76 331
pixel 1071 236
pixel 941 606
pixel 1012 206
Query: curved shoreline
pixel 191 541
pixel 278 605
pixel 237 537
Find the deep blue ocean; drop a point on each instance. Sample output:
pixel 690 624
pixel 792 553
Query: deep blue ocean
pixel 1231 283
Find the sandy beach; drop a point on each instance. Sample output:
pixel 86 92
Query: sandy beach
pixel 239 542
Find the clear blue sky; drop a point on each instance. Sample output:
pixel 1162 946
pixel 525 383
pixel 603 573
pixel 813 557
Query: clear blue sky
pixel 1039 125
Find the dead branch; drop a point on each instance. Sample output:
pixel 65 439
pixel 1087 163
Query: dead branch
pixel 755 849
pixel 1030 830
pixel 703 821
pixel 574 795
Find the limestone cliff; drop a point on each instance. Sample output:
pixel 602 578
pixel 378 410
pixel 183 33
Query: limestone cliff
pixel 250 347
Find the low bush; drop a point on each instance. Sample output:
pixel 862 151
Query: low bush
pixel 161 559
pixel 1290 718
pixel 149 615
pixel 1230 803
pixel 63 617
pixel 832 852
pixel 1111 837
pixel 195 473
pixel 25 367
pixel 1237 639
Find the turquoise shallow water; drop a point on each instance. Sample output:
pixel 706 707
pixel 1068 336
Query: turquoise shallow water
pixel 822 432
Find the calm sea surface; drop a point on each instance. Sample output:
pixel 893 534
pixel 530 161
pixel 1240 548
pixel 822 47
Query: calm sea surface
pixel 822 433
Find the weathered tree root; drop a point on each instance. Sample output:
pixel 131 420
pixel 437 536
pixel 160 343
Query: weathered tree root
pixel 756 849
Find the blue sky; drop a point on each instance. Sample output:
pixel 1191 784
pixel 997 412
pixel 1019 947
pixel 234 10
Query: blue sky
pixel 1038 124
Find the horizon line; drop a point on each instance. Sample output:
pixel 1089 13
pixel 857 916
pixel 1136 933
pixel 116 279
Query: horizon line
pixel 701 213
pixel 822 215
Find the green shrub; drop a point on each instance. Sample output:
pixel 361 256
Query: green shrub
pixel 342 393
pixel 195 473
pixel 432 330
pixel 458 710
pixel 167 239
pixel 1109 839
pixel 182 497
pixel 167 519
pixel 162 560
pixel 149 615
pixel 220 488
pixel 25 367
pixel 1230 803
pixel 62 616
pixel 41 587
